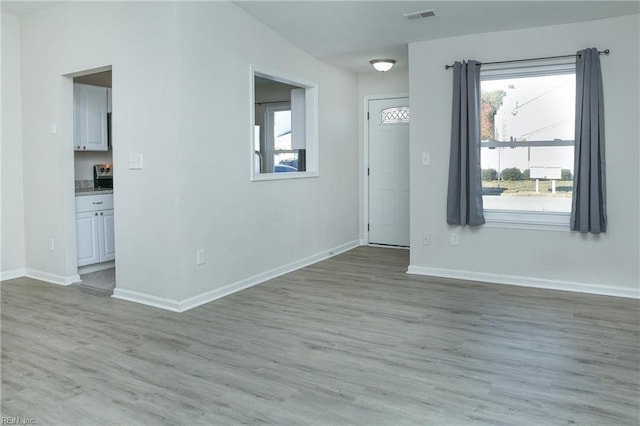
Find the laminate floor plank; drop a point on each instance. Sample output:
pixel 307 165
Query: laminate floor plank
pixel 350 340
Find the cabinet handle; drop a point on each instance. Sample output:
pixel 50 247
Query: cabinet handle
pixel 84 147
pixel 100 213
pixel 99 202
pixel 96 213
pixel 78 146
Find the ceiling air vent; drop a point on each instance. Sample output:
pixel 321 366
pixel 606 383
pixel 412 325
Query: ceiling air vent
pixel 416 16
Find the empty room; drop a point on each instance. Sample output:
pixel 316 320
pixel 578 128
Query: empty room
pixel 320 212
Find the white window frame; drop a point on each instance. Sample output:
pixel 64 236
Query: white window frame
pixel 523 219
pixel 311 124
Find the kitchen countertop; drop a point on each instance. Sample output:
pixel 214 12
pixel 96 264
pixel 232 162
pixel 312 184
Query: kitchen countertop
pixel 81 192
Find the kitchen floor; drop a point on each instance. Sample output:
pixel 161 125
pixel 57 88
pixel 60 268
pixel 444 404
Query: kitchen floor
pixel 102 280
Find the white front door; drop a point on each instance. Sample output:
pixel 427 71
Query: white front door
pixel 389 171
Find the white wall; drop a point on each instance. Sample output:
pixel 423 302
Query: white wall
pixel 138 41
pixel 248 228
pixel 12 262
pixel 374 83
pixel 188 114
pixel 607 263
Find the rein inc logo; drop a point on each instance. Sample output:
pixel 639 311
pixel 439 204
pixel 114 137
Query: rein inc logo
pixel 17 421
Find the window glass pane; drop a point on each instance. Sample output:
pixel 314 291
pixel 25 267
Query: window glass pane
pixel 527 129
pixel 282 130
pixel 395 115
pixel 516 188
pixel 285 162
pixel 529 108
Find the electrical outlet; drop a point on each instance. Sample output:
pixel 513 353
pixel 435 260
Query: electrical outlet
pixel 135 161
pixel 425 240
pixel 426 159
pixel 200 258
pixel 455 239
pixel 52 244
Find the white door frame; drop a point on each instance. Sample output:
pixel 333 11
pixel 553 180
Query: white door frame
pixel 67 122
pixel 365 159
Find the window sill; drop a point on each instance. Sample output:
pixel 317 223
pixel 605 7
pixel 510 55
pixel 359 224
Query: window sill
pixel 283 176
pixel 520 219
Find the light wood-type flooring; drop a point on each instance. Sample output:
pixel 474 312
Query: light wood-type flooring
pixel 351 340
pixel 104 280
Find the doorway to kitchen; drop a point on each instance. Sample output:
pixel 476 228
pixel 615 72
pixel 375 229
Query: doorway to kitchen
pixel 94 177
pixel 388 171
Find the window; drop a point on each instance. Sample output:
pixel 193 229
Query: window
pixel 395 115
pixel 281 157
pixel 284 135
pixel 527 133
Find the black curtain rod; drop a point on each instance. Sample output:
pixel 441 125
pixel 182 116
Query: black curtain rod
pixel 606 52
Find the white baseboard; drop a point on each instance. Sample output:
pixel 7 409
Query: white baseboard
pixel 52 278
pixel 210 296
pixel 389 247
pixel 147 299
pixel 525 281
pixel 9 275
pixel 87 269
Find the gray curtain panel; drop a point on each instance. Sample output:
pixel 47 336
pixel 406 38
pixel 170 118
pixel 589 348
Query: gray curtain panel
pixel 588 212
pixel 464 198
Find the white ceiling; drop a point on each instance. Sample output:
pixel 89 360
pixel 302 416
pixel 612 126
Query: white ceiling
pixel 350 33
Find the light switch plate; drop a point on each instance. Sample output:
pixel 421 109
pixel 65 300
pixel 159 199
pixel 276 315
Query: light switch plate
pixel 135 161
pixel 200 257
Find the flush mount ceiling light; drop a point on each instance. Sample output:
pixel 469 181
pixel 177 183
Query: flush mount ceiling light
pixel 382 65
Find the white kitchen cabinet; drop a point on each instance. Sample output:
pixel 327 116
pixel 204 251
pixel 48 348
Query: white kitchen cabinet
pixel 95 236
pixel 90 118
pixel 107 236
pixel 87 244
